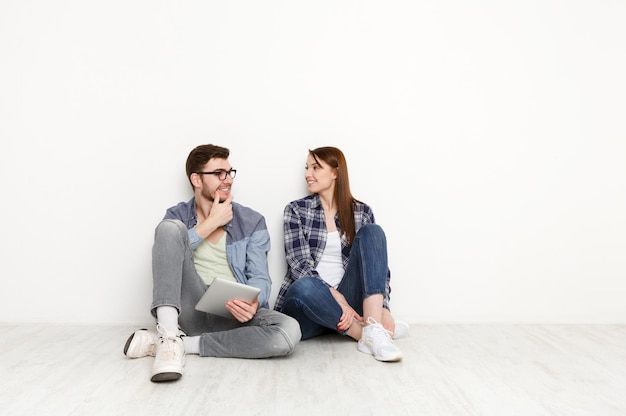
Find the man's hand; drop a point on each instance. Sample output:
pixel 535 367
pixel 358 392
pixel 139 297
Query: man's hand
pixel 219 215
pixel 221 212
pixel 241 310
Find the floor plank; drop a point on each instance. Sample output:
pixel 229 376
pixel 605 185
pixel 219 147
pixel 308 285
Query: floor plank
pixel 447 370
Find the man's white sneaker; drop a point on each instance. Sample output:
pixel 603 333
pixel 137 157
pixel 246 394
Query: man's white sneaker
pixel 169 358
pixel 376 340
pixel 402 328
pixel 141 343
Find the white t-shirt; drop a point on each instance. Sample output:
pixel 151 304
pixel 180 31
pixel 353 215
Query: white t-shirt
pixel 210 260
pixel 330 266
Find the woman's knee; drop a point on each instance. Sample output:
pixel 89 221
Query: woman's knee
pixel 373 236
pixel 301 288
pixel 371 230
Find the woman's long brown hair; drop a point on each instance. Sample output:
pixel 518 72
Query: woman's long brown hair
pixel 343 198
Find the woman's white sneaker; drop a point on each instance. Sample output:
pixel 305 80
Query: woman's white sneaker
pixel 376 340
pixel 402 329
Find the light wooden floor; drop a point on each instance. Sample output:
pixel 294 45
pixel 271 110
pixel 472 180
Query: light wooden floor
pixel 498 370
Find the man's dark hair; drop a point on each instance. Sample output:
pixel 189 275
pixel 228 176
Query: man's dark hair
pixel 201 155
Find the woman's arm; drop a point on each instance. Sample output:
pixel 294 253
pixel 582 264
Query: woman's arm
pixel 297 250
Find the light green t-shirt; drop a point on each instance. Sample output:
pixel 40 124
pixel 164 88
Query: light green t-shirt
pixel 210 260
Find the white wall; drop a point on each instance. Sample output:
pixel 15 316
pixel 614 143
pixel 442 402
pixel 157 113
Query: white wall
pixel 488 136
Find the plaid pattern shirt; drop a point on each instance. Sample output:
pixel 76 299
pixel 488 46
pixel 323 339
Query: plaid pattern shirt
pixel 304 227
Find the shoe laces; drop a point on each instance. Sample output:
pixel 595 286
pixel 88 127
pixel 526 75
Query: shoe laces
pixel 378 332
pixel 164 333
pixel 169 339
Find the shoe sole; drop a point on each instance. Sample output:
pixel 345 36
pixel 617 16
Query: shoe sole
pixel 129 341
pixel 168 372
pixel 168 376
pixel 364 348
pixel 127 346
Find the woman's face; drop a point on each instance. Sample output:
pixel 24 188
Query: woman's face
pixel 319 177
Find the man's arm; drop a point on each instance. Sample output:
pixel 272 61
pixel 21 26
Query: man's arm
pixel 257 268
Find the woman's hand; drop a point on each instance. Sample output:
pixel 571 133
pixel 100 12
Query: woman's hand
pixel 348 314
pixel 241 310
pixel 348 317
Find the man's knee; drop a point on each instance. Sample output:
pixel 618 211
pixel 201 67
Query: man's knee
pixel 170 228
pixel 285 329
pixel 291 333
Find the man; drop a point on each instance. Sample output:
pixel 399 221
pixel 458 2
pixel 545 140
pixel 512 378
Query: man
pixel 210 236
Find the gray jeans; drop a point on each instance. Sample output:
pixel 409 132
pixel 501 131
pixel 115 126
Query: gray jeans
pixel 177 283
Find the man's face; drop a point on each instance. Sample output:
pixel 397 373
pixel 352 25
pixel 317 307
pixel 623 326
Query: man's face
pixel 211 182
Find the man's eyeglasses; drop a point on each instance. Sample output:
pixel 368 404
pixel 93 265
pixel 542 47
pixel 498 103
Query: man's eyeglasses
pixel 221 174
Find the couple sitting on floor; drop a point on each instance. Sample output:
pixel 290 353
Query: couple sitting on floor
pixel 337 275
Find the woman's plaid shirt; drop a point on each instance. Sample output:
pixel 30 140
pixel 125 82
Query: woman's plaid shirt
pixel 304 228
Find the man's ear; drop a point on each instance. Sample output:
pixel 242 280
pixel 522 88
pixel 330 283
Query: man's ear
pixel 196 180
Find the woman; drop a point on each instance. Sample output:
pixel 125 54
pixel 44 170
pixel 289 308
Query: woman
pixel 337 276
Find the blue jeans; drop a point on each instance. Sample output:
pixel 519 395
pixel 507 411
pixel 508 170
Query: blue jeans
pixel 309 300
pixel 177 283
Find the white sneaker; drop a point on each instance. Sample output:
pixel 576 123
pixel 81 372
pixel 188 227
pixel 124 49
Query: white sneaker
pixel 169 358
pixel 376 340
pixel 141 343
pixel 402 329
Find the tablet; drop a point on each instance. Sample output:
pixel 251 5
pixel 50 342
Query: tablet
pixel 221 291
